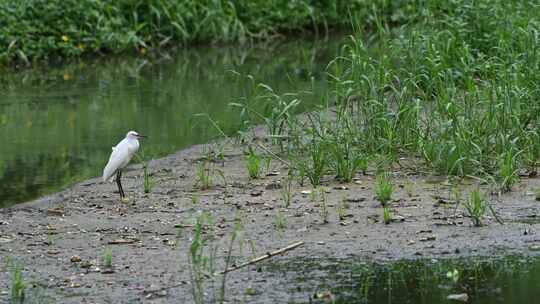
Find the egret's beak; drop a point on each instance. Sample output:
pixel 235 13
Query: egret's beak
pixel 141 136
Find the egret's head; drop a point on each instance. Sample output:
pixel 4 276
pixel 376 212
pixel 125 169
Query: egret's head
pixel 134 135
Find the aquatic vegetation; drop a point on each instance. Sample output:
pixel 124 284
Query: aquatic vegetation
pixel 383 188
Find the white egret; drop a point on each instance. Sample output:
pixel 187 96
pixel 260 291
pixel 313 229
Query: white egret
pixel 120 157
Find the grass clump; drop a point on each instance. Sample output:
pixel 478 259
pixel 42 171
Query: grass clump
pixel 383 188
pixel 387 215
pixel 476 207
pixel 108 258
pixel 253 163
pixel 18 286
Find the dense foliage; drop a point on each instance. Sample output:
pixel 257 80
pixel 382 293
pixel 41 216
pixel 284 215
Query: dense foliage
pixel 33 30
pixel 456 86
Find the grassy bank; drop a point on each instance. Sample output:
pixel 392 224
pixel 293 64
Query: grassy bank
pixel 455 86
pixel 36 30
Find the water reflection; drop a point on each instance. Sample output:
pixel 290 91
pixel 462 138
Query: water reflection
pixel 504 280
pixel 57 124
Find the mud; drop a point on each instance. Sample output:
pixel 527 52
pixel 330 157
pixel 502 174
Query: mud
pixel 60 240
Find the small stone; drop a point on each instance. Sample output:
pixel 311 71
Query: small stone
pixel 5 239
pixel 75 259
pixel 341 187
pixel 107 270
pixel 306 192
pixel 462 297
pixel 320 243
pixel 256 193
pixel 534 248
pixel 355 199
pixel 273 186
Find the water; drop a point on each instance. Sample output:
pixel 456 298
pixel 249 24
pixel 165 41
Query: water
pixel 504 280
pixel 57 125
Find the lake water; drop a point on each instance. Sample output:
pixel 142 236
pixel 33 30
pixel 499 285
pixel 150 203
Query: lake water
pixel 57 125
pixel 509 280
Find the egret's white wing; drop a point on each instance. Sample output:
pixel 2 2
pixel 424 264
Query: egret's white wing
pixel 120 157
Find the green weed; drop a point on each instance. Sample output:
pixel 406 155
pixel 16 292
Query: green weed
pixel 476 207
pixel 508 172
pixel 286 190
pixel 18 286
pixel 204 174
pixel 108 258
pixel 280 222
pixel 253 163
pixel 383 188
pixel 387 215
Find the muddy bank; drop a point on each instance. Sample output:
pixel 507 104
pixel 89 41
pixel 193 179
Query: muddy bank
pixel 61 240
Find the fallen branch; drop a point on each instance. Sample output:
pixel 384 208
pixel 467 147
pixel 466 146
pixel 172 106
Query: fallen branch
pixel 261 258
pixel 264 257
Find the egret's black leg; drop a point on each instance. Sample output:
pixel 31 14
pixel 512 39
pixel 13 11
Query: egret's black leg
pixel 119 183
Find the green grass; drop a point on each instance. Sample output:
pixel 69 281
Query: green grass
pixel 18 286
pixel 253 163
pixel 147 179
pixel 383 188
pixel 36 30
pixel 452 84
pixel 108 258
pixel 476 206
pixel 387 215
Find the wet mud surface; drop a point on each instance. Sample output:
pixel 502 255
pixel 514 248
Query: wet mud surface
pixel 60 240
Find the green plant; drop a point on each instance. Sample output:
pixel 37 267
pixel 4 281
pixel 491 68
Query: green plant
pixel 204 174
pixel 383 188
pixel 286 190
pixel 387 215
pixel 508 172
pixel 280 222
pixel 253 163
pixel 18 286
pixel 476 207
pixel 201 262
pixel 107 258
pixel 195 199
pixel 341 208
pixel 345 151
